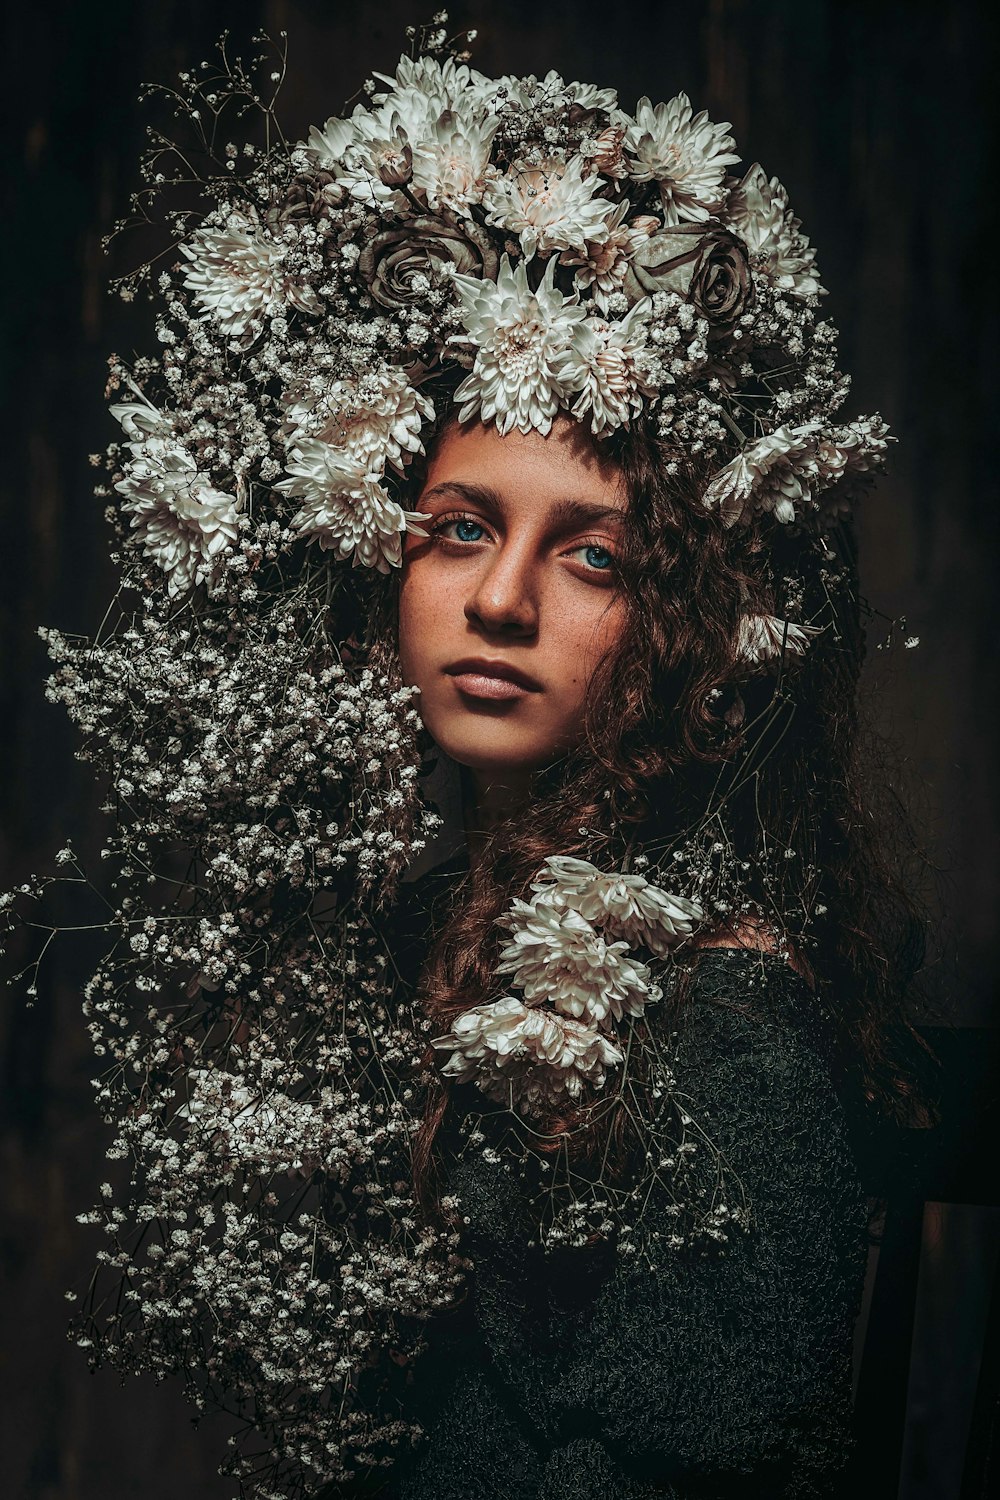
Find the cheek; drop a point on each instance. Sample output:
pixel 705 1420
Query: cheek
pixel 584 639
pixel 424 606
pixel 411 631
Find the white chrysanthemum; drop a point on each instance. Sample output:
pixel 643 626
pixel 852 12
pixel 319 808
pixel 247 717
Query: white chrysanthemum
pixel 528 361
pixel 616 367
pixel 345 509
pixel 238 274
pixel 330 144
pixel 368 417
pixel 548 1052
pixel 555 954
pixel 140 420
pixel 855 448
pixel 269 1132
pixel 550 207
pixel 530 93
pixel 624 906
pixel 684 153
pixel 447 83
pixel 356 148
pixel 764 639
pixel 758 210
pixel 450 159
pixel 184 523
pixel 602 263
pixel 769 475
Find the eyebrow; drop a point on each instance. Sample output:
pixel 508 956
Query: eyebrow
pixel 565 513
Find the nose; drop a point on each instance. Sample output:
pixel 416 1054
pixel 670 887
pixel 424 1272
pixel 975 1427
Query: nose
pixel 503 597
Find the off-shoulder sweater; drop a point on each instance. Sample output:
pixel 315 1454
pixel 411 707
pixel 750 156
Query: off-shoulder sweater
pixel 571 1376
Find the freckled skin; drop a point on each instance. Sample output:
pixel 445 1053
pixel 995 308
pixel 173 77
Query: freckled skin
pixel 507 585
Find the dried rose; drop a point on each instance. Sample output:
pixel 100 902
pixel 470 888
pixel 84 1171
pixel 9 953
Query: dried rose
pixel 309 194
pixel 419 248
pixel 707 266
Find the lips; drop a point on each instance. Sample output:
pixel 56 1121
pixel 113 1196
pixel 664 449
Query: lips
pixel 480 666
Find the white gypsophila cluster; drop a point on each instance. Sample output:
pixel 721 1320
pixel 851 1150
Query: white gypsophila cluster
pixel 577 977
pixel 262 1080
pixel 275 1207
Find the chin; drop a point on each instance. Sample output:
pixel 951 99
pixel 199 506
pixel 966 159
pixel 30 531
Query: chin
pixel 479 751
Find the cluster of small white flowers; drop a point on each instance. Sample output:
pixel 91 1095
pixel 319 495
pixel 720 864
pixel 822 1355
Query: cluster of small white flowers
pixel 569 949
pixel 269 1120
pixel 265 796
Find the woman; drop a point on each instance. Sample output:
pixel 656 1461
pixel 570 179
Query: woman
pixel 573 622
pixel 491 375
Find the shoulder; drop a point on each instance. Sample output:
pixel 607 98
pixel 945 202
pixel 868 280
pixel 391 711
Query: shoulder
pixel 753 934
pixel 753 1042
pixel 752 991
pixel 750 1044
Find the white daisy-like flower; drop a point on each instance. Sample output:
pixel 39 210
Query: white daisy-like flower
pixel 624 906
pixel 529 358
pixel 764 639
pixel 447 83
pixel 507 1041
pixel 345 507
pixel 448 142
pixel 365 417
pixel 771 474
pixel 329 144
pixel 758 210
pixel 603 262
pixel 550 207
pixel 605 152
pixel 841 463
pixel 551 92
pixel 855 448
pixel 238 275
pixel 590 97
pixel 269 1131
pixel 446 150
pixel 355 148
pixel 684 153
pixel 616 366
pixel 556 955
pixel 140 420
pixel 450 158
pixel 183 522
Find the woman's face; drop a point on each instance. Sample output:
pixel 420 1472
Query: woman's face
pixel 517 572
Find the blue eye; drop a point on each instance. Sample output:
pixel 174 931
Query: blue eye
pixel 465 521
pixel 590 547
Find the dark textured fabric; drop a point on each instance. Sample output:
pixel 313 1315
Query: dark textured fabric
pixel 587 1376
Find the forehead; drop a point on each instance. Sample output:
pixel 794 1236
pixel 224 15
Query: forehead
pixel 561 462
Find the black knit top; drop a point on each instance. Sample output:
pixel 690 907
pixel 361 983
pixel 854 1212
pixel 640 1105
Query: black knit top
pixel 575 1376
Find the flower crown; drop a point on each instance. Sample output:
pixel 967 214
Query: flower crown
pixel 568 255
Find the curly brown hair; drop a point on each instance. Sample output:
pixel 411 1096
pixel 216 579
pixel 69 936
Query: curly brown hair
pixel 772 763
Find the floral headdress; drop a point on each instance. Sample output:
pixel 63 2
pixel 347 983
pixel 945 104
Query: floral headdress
pixel 570 255
pixel 260 1068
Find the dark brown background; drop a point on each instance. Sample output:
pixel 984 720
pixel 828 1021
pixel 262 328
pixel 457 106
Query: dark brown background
pixel 877 118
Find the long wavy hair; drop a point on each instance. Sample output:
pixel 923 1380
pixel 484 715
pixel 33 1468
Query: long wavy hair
pixel 765 764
